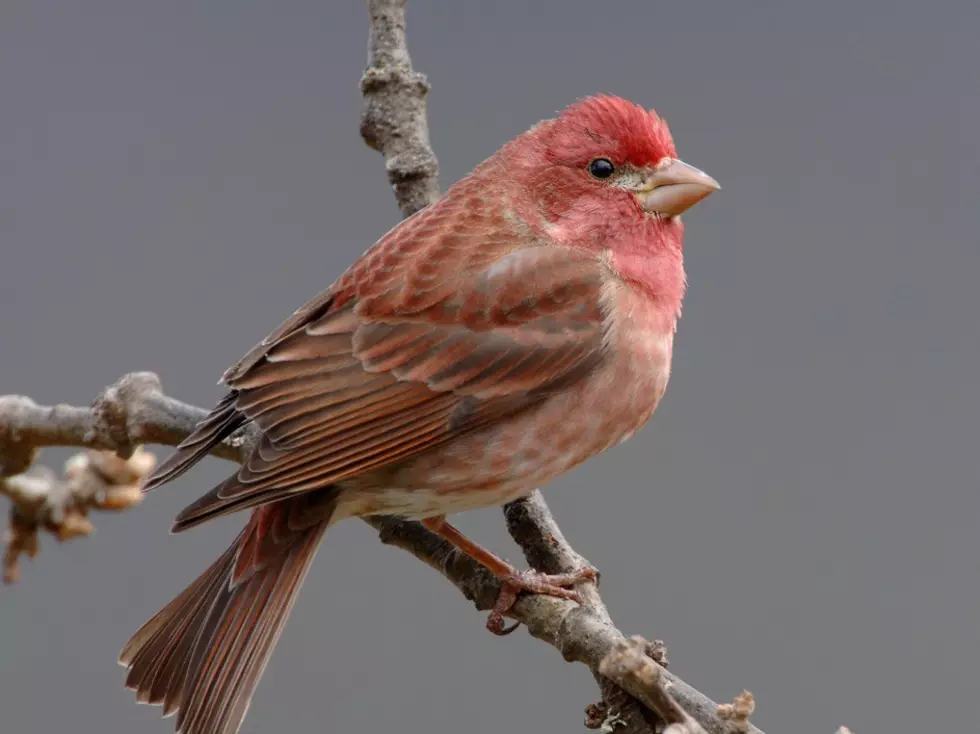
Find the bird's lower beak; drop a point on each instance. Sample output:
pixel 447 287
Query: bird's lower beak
pixel 675 187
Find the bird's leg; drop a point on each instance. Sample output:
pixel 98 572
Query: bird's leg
pixel 512 581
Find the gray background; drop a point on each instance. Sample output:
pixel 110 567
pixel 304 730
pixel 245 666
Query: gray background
pixel 800 519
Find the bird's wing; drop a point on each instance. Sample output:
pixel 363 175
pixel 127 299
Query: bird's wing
pixel 454 323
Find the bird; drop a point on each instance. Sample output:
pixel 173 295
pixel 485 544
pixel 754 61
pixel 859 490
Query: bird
pixel 517 326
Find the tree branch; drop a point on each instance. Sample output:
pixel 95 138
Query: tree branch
pixel 135 410
pixel 394 120
pixel 93 480
pixel 639 695
pixel 629 665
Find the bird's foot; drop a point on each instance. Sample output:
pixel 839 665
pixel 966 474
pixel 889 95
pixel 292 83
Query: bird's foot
pixel 514 582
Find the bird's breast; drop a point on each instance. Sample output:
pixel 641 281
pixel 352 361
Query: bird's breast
pixel 501 462
pixel 639 343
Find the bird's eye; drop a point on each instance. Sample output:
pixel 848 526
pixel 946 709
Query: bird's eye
pixel 602 168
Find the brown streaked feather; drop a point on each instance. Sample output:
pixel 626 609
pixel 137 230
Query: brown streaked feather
pixel 217 426
pixel 203 654
pixel 296 413
pixel 261 400
pixel 267 462
pixel 265 373
pixel 396 400
pixel 301 345
pixel 153 649
pixel 392 382
pixel 450 306
pixel 234 495
pixel 209 506
pixel 306 313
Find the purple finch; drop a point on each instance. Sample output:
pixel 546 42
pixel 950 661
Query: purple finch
pixel 516 327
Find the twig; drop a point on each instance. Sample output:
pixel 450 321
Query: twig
pixel 629 666
pixel 737 712
pixel 394 120
pixel 135 411
pixel 93 480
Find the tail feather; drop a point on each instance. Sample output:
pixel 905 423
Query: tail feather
pixel 203 654
pixel 220 423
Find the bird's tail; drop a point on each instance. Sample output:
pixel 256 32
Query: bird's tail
pixel 202 655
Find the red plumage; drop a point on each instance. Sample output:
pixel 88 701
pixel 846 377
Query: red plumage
pixel 604 125
pixel 516 327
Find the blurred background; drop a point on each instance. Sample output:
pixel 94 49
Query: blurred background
pixel 801 517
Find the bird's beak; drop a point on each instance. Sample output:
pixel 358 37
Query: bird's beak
pixel 674 187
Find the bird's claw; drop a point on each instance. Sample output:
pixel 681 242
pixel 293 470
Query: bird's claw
pixel 534 582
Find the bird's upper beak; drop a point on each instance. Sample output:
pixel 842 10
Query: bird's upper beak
pixel 674 187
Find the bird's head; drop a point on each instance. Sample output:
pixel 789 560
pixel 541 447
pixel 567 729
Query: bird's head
pixel 606 172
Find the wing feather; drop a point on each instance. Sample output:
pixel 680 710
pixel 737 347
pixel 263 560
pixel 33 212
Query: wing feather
pixel 450 323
